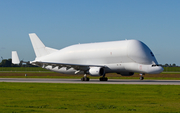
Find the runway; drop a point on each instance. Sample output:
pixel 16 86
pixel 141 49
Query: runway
pixel 92 81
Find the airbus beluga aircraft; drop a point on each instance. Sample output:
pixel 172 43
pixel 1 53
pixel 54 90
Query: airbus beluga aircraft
pixel 122 57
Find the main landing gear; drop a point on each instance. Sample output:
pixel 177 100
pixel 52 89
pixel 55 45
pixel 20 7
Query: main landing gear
pixel 85 78
pixel 103 78
pixel 141 76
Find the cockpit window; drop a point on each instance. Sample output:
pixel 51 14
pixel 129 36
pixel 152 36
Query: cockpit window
pixel 152 54
pixel 155 65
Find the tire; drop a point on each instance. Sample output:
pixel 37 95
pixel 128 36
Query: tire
pixel 82 79
pixel 85 79
pixel 141 78
pixel 103 79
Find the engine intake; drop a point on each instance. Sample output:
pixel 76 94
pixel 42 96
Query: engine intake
pixel 96 71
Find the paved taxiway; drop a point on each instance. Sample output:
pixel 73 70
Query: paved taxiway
pixel 92 81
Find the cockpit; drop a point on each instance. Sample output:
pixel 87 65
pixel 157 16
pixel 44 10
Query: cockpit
pixel 152 54
pixel 154 65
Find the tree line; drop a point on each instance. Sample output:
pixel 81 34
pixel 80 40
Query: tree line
pixel 8 63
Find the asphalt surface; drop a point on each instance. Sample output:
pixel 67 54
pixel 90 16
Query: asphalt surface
pixel 92 81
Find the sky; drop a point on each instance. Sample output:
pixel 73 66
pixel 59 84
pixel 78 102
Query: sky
pixel 60 23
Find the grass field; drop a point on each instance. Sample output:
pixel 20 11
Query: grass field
pixel 48 74
pixel 88 98
pixel 166 69
pixel 171 73
pixel 22 69
pixel 171 69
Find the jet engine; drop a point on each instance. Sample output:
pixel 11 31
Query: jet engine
pixel 127 73
pixel 96 71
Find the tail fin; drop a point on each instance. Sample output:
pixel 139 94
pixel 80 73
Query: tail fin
pixel 15 58
pixel 39 48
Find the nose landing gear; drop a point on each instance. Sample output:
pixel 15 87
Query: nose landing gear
pixel 141 76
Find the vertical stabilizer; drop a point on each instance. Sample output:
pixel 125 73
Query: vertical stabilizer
pixel 39 48
pixel 15 58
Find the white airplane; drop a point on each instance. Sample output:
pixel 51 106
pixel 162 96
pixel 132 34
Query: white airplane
pixel 121 57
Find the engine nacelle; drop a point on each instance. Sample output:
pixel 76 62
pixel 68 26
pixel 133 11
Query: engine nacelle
pixel 96 71
pixel 127 73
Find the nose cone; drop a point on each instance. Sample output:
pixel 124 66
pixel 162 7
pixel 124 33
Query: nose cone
pixel 160 69
pixel 156 70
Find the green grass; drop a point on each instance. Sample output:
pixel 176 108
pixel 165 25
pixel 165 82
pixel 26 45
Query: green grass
pixel 22 69
pixel 171 69
pixel 171 76
pixel 47 74
pixel 88 98
pixel 27 72
pixel 79 77
pixel 166 69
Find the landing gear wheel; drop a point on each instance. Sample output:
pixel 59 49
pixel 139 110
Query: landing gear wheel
pixel 103 79
pixel 141 78
pixel 85 79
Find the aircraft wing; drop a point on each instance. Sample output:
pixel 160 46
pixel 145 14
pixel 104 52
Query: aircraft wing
pixel 81 67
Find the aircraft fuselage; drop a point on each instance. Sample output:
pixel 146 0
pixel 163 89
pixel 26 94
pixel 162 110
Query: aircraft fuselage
pixel 117 57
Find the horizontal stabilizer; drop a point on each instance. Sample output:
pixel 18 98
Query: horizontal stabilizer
pixel 15 58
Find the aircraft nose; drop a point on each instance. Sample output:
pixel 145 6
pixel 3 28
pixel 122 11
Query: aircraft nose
pixel 156 70
pixel 160 69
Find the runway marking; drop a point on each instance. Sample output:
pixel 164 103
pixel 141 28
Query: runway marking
pixel 92 81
